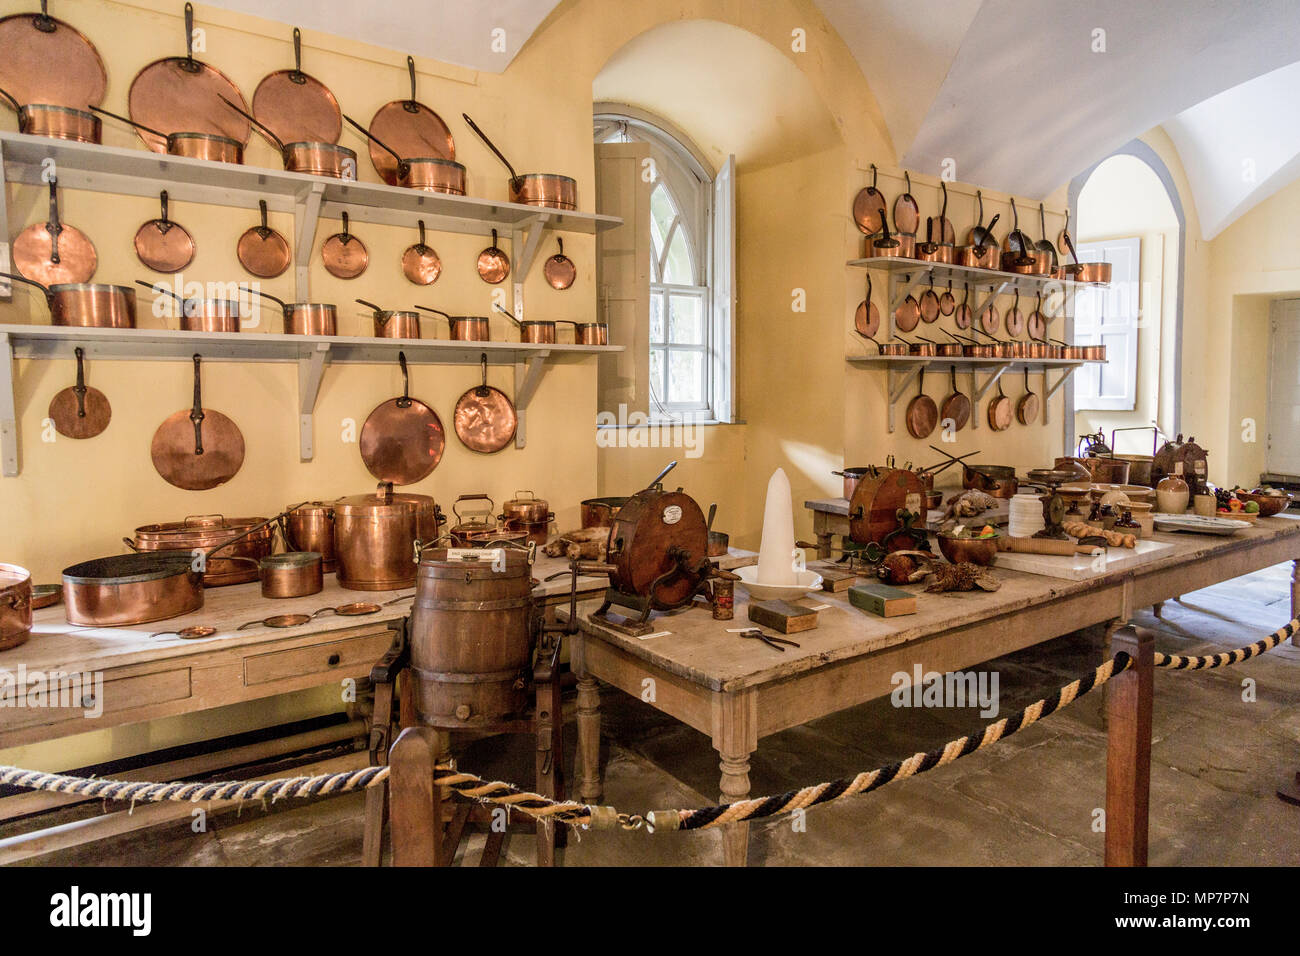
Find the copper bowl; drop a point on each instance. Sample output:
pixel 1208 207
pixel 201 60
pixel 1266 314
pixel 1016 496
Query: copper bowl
pixel 432 175
pixel 545 189
pixel 980 551
pixel 60 122
pixel 15 606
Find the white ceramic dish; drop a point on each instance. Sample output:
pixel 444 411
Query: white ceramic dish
pixel 1199 524
pixel 807 581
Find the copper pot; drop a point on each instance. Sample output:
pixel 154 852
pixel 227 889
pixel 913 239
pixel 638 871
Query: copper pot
pixel 375 538
pixel 320 159
pixel 1019 263
pixel 545 189
pixel 599 512
pixel 131 589
pixel 537 331
pixel 209 146
pixel 997 480
pixel 87 305
pixel 204 533
pixel 925 349
pixel 1108 471
pixel 1093 272
pixel 210 315
pixel 310 527
pixel 290 575
pixel 397 325
pixel 432 175
pixel 60 122
pixel 588 333
pixel 464 328
pixel 530 515
pixel 15 606
pixel 851 478
pixel 895 246
pixel 978 257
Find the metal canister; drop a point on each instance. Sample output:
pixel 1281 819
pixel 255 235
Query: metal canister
pixel 599 512
pixel 15 606
pixel 310 527
pixel 473 626
pixel 374 541
pixel 724 599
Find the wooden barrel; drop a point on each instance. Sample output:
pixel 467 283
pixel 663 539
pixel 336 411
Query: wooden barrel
pixel 472 635
pixel 874 507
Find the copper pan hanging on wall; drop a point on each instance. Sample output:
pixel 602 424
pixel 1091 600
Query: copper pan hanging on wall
pixel 420 262
pixel 411 129
pixel 344 255
pixel 262 250
pixel 402 440
pixel 922 413
pixel 54 253
pixel 907 213
pixel 162 245
pixel 869 207
pixel 49 62
pixel 298 108
pixel 493 264
pixel 429 173
pixel 866 319
pixel 197 448
pixel 485 416
pixel 559 269
pixel 80 411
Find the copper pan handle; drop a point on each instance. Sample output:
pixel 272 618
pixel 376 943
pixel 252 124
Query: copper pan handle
pixel 53 225
pixel 256 122
pixel 130 544
pixel 196 413
pixel 12 102
pixel 265 295
pixel 297 75
pixel 80 387
pixel 401 163
pixel 514 177
pixel 130 122
pixel 411 106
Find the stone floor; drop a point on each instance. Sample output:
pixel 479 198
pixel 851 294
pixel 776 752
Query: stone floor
pixel 1030 800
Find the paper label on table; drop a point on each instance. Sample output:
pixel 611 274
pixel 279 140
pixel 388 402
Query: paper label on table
pixel 672 514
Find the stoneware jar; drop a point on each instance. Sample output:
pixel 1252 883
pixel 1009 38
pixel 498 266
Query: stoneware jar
pixel 1172 496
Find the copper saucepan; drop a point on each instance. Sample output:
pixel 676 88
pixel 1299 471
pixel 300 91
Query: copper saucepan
pixel 200 315
pixel 429 173
pixel 56 122
pixel 588 333
pixel 92 305
pixel 315 159
pixel 533 189
pixel 464 328
pixel 15 606
pixel 390 324
pixel 303 318
pixel 209 146
pixel 537 331
pixel 290 575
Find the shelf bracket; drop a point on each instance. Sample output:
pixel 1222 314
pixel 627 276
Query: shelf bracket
pixel 903 288
pixel 899 382
pixel 1049 389
pixel 311 368
pixel 8 414
pixel 6 287
pixel 987 301
pixel 982 390
pixel 306 214
pixel 528 376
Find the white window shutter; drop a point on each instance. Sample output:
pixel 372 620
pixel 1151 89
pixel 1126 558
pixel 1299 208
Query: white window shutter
pixel 1109 316
pixel 723 277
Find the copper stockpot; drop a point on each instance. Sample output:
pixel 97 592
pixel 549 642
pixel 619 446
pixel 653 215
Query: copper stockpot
pixel 310 527
pixel 599 512
pixel 432 175
pixel 545 189
pixel 204 533
pixel 87 305
pixel 15 606
pixel 1108 471
pixel 310 318
pixel 131 589
pixel 60 122
pixel 290 575
pixel 375 538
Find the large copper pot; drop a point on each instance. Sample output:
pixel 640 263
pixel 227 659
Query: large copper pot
pixel 599 512
pixel 93 305
pixel 15 606
pixel 131 589
pixel 203 533
pixel 473 626
pixel 374 538
pixel 310 527
pixel 545 189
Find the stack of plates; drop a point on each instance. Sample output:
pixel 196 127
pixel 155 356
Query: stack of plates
pixel 1026 516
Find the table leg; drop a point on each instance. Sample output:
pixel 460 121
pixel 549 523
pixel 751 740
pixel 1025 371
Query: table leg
pixel 1289 791
pixel 416 818
pixel 588 721
pixel 735 737
pixel 1295 591
pixel 821 528
pixel 734 787
pixel 1128 752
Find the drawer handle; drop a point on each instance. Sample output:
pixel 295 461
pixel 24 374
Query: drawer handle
pixel 88 702
pixel 333 660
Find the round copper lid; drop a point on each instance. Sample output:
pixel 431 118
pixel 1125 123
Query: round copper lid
pixel 44 60
pixel 167 96
pixel 296 107
pixel 411 130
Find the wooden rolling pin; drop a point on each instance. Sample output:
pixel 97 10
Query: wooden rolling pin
pixel 1046 546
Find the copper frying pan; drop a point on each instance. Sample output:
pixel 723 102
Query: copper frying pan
pixel 947 301
pixel 344 255
pixel 411 129
pixel 908 314
pixel 262 250
pixel 559 269
pixel 907 213
pixel 990 318
pixel 922 412
pixel 296 107
pixel 403 439
pixel 866 320
pixel 493 264
pixel 956 406
pixel 1000 411
pixel 197 448
pixel 1015 318
pixel 46 61
pixel 420 263
pixel 869 207
pixel 929 304
pixel 1027 407
pixel 485 417
pixel 80 411
pixel 162 245
pixel 962 316
pixel 54 253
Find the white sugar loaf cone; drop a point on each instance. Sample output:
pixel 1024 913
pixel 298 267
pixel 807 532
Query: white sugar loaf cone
pixel 776 553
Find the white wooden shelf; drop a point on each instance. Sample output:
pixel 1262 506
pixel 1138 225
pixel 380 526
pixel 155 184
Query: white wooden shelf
pixel 139 172
pixel 312 353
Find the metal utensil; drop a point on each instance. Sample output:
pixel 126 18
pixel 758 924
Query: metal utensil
pixel 559 269
pixel 402 440
pixel 262 250
pixel 163 245
pixel 420 262
pixel 485 418
pixel 493 264
pixel 345 255
pixel 54 253
pixel 197 448
pixel 80 411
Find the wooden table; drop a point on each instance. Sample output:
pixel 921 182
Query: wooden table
pixel 738 691
pixel 831 517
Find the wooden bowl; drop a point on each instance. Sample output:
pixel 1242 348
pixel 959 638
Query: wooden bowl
pixel 1269 505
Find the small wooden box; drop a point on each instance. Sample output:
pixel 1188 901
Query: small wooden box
pixel 882 600
pixel 782 616
pixel 835 577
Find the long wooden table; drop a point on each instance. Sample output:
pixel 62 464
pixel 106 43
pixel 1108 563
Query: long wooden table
pixel 738 691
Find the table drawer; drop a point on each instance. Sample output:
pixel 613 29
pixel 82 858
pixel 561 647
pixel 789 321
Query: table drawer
pixel 80 697
pixel 346 656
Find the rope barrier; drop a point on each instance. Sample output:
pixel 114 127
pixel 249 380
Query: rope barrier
pixel 540 807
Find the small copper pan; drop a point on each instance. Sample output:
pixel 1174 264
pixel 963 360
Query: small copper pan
pixel 56 122
pixel 80 411
pixel 412 129
pixel 52 252
pixel 200 315
pixel 390 324
pixel 536 331
pixel 866 320
pixel 887 348
pixel 210 146
pixel 588 333
pixel 262 250
pixel 559 269
pixel 433 174
pixel 312 158
pixel 533 189
pixel 402 440
pixel 869 207
pixel 420 262
pixel 162 245
pixel 464 328
pixel 493 264
pixel 485 417
pixel 303 318
pixel 197 448
pixel 345 255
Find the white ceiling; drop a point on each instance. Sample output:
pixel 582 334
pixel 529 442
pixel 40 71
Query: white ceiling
pixel 451 31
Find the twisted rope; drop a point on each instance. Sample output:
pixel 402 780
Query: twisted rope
pixel 1262 646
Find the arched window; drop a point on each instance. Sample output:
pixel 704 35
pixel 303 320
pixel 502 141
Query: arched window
pixel 689 347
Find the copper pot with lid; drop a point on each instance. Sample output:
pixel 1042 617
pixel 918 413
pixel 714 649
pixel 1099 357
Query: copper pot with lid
pixel 375 539
pixel 529 514
pixel 310 527
pixel 206 532
pixel 15 606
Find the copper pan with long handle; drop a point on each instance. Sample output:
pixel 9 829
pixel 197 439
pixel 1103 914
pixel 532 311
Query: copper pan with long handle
pixel 92 305
pixel 533 189
pixel 210 146
pixel 200 315
pixel 432 174
pixel 52 252
pixel 55 122
pixel 303 318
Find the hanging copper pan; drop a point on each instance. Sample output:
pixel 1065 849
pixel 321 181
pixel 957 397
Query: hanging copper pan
pixel 869 207
pixel 485 417
pixel 392 324
pixel 303 318
pixel 956 407
pixel 344 255
pixel 1038 326
pixel 1000 411
pixel 990 318
pixel 559 269
pixel 420 262
pixel 1015 318
pixel 298 108
pixel 929 304
pixel 200 315
pixel 411 129
pixel 56 122
pixel 944 234
pixel 962 314
pixel 94 305
pixel 180 94
pixel 1045 259
pixel 197 448
pixel 1063 238
pixel 162 245
pixel 947 301
pixel 262 250
pixel 533 189
pixel 866 320
pixel 46 61
pixel 54 253
pixel 191 145
pixel 922 413
pixel 493 264
pixel 402 440
pixel 1028 406
pixel 907 212
pixel 80 411
pixel 908 314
